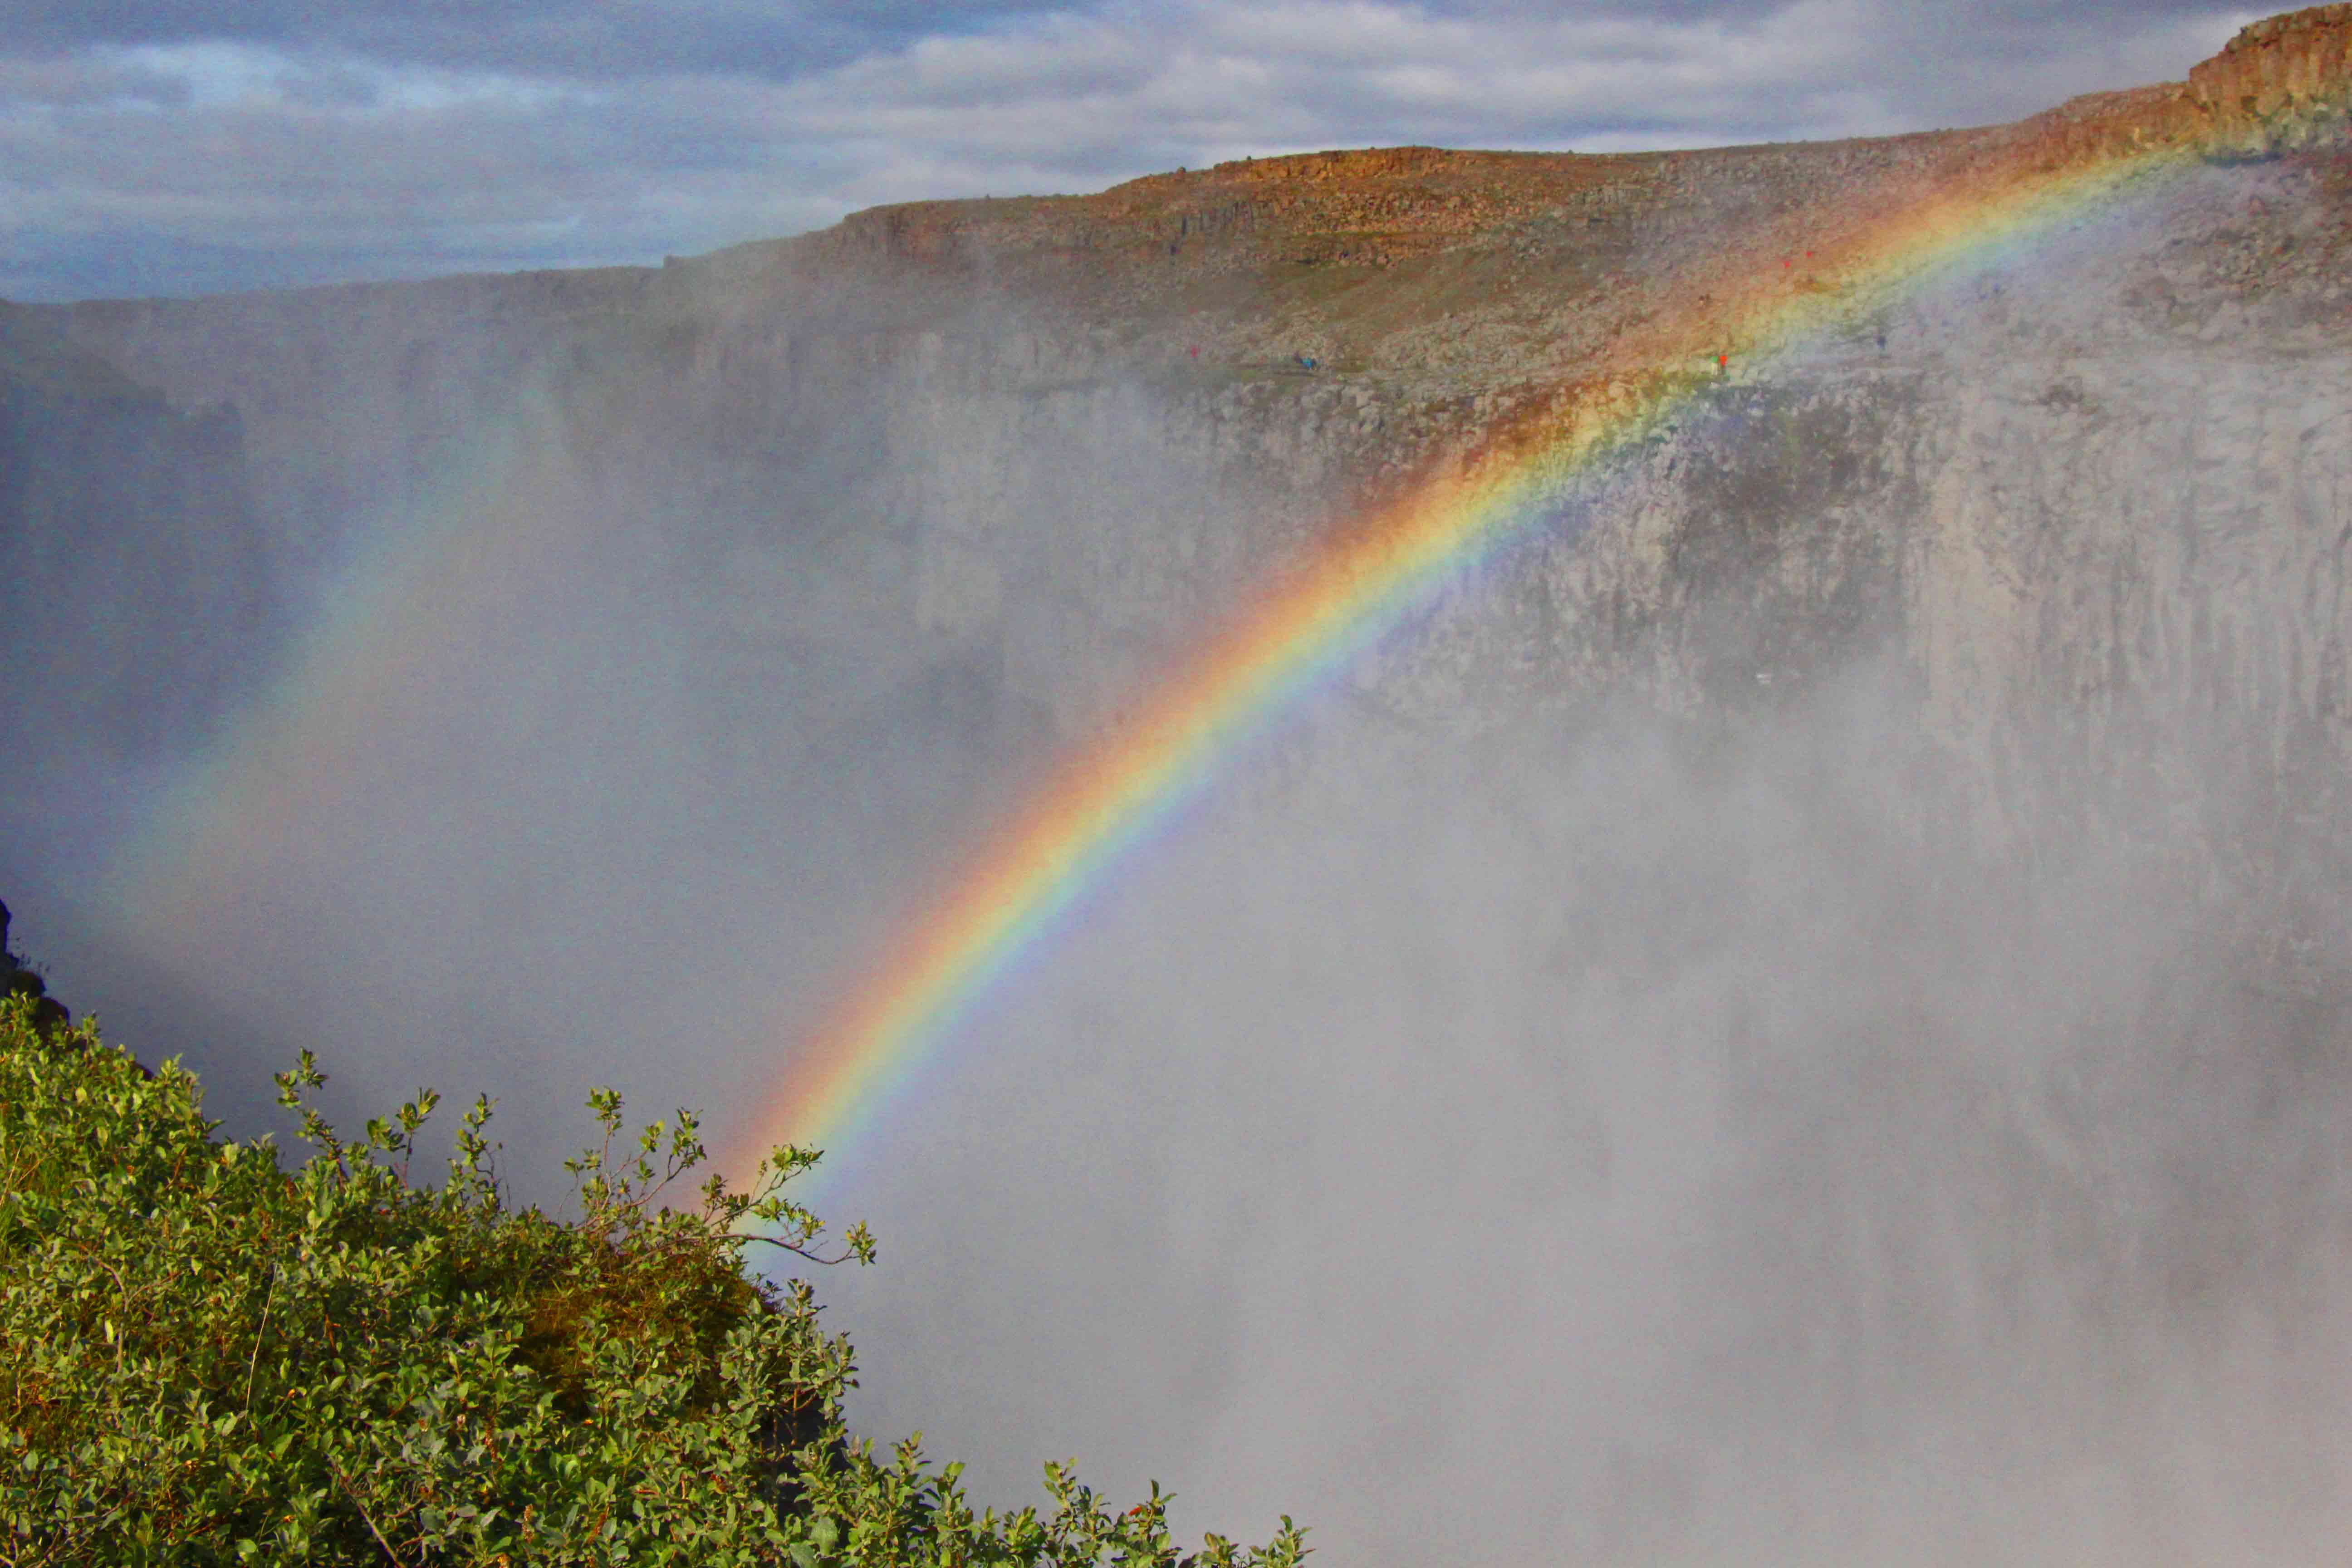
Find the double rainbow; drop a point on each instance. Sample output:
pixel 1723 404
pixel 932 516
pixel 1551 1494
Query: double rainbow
pixel 1859 256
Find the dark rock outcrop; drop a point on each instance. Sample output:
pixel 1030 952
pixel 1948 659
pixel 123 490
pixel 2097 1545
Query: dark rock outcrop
pixel 16 980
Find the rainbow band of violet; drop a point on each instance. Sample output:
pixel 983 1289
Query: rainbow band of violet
pixel 1087 820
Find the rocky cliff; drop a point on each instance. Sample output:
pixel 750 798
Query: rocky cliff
pixel 1438 295
pixel 2283 82
pixel 981 466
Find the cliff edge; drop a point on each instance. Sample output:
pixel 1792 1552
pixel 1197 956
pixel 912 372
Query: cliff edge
pixel 2284 82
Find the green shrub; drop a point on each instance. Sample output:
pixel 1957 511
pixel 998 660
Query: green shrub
pixel 210 1358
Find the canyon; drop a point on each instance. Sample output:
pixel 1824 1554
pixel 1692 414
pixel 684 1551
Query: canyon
pixel 1975 663
pixel 1438 294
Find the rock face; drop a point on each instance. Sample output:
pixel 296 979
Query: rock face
pixel 985 464
pixel 2280 83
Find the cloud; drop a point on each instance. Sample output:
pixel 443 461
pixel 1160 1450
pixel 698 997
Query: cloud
pixel 389 142
pixel 118 165
pixel 587 38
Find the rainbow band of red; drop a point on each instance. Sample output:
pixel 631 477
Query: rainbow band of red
pixel 1080 828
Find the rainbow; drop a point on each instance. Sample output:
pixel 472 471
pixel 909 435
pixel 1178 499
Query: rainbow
pixel 1371 575
pixel 325 731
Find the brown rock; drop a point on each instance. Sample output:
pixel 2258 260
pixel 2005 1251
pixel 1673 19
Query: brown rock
pixel 2282 83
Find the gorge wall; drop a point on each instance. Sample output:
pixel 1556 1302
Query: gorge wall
pixel 2110 472
pixel 1836 934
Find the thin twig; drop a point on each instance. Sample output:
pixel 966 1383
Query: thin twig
pixel 801 1251
pixel 261 1329
pixel 365 1518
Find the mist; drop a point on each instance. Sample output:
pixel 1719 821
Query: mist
pixel 1637 1145
pixel 1753 1067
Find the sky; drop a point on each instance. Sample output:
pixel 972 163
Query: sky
pixel 179 147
